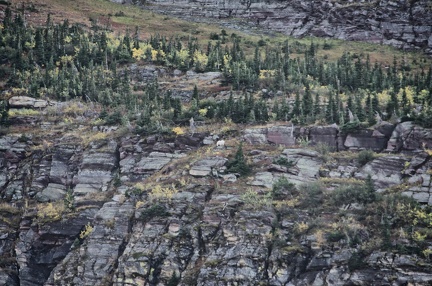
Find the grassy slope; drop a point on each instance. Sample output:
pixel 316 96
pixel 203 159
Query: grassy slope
pixel 104 11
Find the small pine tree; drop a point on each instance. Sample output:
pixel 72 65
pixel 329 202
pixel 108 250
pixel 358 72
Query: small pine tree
pixel 4 114
pixel 176 104
pixel 307 103
pixel 195 94
pixel 317 107
pixel 296 112
pixel 370 193
pixel 330 110
pixel 406 106
pixel 360 111
pixel 392 107
pixel 370 111
pixel 238 164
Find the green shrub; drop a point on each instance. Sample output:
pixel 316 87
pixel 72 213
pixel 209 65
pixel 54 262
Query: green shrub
pixel 356 261
pixel 283 161
pixel 327 46
pixel 114 118
pixel 362 194
pixel 365 156
pixel 335 236
pixel 214 36
pixel 154 211
pixel 322 148
pixel 256 201
pixel 69 200
pixel 350 127
pixel 283 189
pixel 312 195
pixel 261 43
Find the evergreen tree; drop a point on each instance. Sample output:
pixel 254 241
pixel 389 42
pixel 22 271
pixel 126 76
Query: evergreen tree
pixel 369 191
pixel 238 164
pixel 392 107
pixel 406 106
pixel 264 111
pixel 167 100
pixel 317 106
pixel 331 110
pixel 284 111
pixel 296 111
pixel 195 94
pixel 370 110
pixel 4 114
pixel 7 20
pixel 177 108
pixel 221 110
pixel 375 104
pixel 39 47
pixel 359 110
pixel 257 60
pixel 136 39
pixel 275 109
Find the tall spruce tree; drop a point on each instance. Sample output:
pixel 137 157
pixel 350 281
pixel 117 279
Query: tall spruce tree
pixel 296 110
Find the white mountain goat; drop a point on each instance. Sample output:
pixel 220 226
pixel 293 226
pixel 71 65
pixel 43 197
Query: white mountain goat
pixel 220 143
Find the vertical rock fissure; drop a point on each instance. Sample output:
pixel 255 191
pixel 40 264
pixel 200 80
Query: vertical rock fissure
pixel 123 245
pixel 209 193
pixel 201 242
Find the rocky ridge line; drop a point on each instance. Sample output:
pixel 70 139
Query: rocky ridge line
pixel 402 24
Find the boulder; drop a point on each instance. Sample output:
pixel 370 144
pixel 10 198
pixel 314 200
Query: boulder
pixel 385 171
pixel 263 179
pixel 307 165
pixel 150 164
pixel 255 136
pixel 326 135
pixel 53 192
pixel 206 166
pixel 193 141
pixel 27 102
pixel 366 139
pixel 409 137
pixel 281 135
pixel 385 128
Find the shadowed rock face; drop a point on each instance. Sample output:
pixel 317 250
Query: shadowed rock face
pixel 406 136
pixel 403 24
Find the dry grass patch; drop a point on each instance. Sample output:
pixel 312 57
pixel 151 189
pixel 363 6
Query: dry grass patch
pixel 23 112
pixel 10 215
pixel 7 208
pixel 98 196
pixel 92 137
pixel 341 181
pixel 49 212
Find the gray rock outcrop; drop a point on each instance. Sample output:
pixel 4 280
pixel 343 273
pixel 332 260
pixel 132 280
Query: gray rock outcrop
pixel 406 25
pixel 27 102
pixel 97 214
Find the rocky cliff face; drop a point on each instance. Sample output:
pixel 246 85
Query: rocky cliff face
pixel 121 209
pixel 403 24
